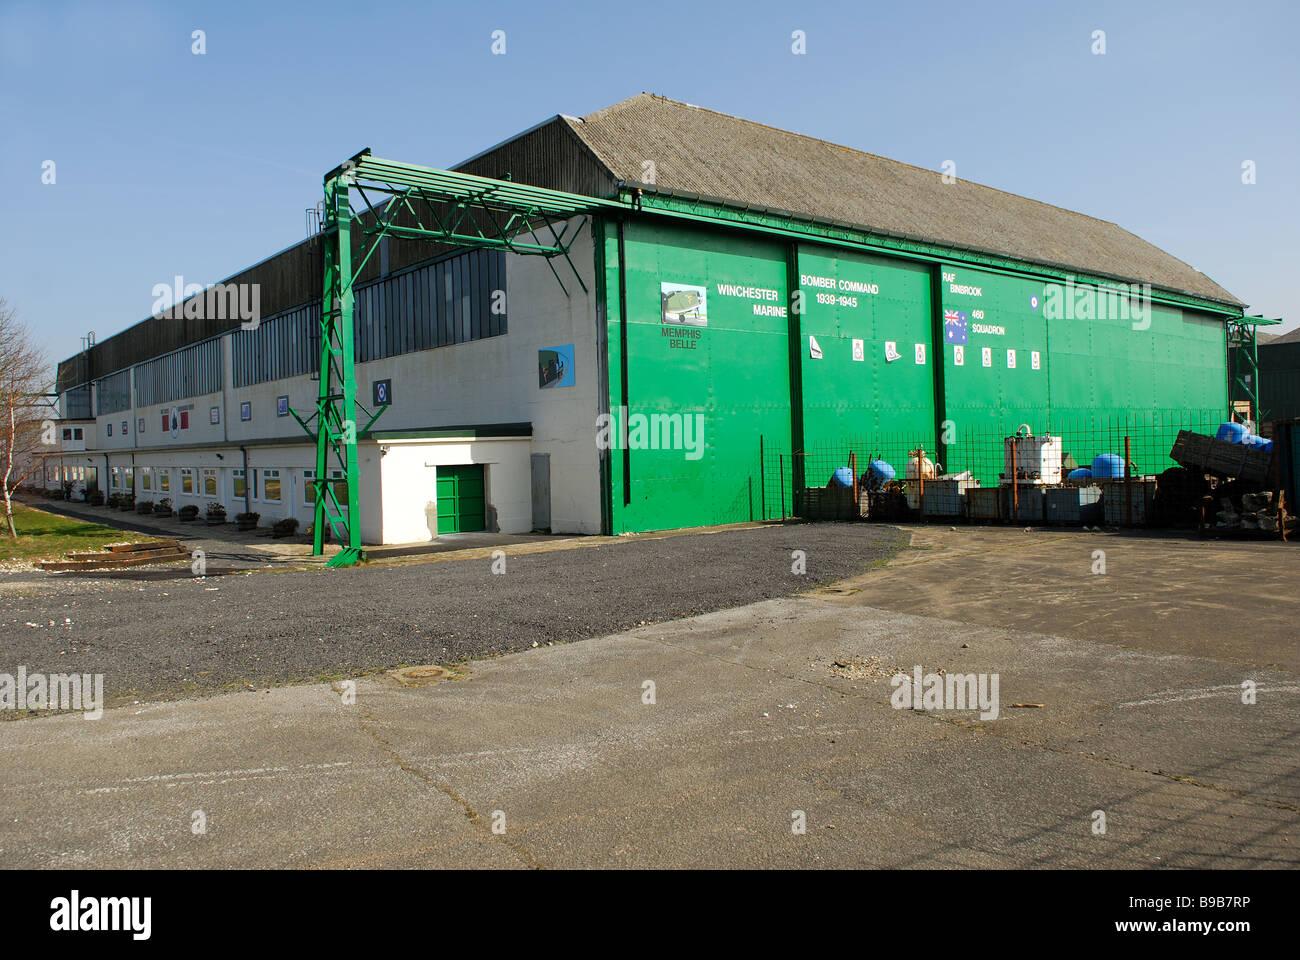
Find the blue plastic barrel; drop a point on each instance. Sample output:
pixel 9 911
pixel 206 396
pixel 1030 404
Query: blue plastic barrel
pixel 842 477
pixel 1232 432
pixel 1258 443
pixel 1083 473
pixel 877 475
pixel 1107 466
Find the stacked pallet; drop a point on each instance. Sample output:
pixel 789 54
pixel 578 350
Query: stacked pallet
pixel 1209 455
pixel 116 555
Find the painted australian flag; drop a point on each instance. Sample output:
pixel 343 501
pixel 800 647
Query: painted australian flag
pixel 954 327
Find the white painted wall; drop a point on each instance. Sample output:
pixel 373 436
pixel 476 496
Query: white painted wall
pixel 408 472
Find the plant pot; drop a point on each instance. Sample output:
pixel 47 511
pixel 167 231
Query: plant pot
pixel 284 528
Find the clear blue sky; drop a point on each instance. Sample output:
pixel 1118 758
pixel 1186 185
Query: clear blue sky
pixel 170 163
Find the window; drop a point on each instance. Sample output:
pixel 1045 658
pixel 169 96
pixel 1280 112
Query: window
pixel 113 393
pixel 76 403
pixel 109 427
pixel 185 419
pixel 238 484
pixel 209 483
pixel 187 480
pixel 245 411
pixel 128 478
pixel 271 486
pixel 453 300
pixel 338 482
pixel 281 406
pixel 214 415
pixel 146 479
pixel 166 424
pixel 279 348
pixel 125 424
pixel 189 372
pixel 77 434
pixel 114 479
pixel 67 433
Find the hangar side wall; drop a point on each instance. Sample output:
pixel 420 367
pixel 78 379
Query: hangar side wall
pixel 948 353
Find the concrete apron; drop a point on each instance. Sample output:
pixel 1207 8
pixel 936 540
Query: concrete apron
pixel 759 712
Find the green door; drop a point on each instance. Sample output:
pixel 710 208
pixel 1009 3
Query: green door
pixel 460 498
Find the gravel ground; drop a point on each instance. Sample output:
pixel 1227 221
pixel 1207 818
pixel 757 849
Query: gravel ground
pixel 163 634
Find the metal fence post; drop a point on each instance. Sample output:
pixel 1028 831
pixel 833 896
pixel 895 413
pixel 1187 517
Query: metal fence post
pixel 781 459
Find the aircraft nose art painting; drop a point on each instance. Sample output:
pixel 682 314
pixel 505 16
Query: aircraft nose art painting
pixel 684 303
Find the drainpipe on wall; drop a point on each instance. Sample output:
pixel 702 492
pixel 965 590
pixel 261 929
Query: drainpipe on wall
pixel 247 504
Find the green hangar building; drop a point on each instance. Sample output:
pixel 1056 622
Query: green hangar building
pixel 740 291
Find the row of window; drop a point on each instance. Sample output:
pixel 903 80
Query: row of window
pixel 189 372
pixel 455 300
pixel 113 393
pixel 267 483
pixel 56 475
pixel 282 347
pixel 76 403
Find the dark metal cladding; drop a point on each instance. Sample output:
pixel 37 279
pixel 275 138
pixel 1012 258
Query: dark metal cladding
pixel 1279 381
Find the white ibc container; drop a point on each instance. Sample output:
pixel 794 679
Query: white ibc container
pixel 943 498
pixel 1037 459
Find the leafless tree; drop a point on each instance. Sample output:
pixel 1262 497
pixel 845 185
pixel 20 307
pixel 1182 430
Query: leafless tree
pixel 27 428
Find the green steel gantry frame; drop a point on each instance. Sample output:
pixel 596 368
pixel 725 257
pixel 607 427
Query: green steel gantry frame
pixel 408 203
pixel 1243 363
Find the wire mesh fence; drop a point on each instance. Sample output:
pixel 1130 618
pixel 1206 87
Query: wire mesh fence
pixel 1105 466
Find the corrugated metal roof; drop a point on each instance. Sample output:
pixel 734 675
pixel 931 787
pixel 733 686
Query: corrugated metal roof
pixel 701 151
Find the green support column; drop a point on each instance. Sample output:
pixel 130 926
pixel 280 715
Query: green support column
pixel 336 402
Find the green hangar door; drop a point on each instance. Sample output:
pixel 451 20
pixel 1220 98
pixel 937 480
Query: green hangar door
pixel 705 340
pixel 460 498
pixel 867 362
